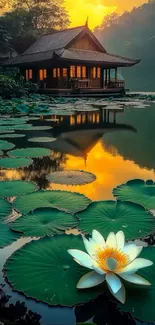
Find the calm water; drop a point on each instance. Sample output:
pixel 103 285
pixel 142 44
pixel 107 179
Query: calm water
pixel 114 148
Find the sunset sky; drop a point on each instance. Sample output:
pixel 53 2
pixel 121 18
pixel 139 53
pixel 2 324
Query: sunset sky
pixel 97 9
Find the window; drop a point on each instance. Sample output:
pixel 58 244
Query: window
pixel 64 72
pixel 83 72
pixel 45 73
pixel 72 71
pixel 98 72
pixel 42 74
pixel 78 72
pixel 28 74
pixel 58 72
pixel 54 73
pixel 94 72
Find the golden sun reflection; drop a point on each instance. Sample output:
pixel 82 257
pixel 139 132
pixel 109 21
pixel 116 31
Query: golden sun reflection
pixel 110 170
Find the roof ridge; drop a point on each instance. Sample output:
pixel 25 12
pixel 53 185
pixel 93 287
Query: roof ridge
pixel 63 30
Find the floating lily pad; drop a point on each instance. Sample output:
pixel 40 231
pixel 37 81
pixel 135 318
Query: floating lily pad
pixel 13 163
pixel 6 129
pixel 7 236
pixel 45 222
pixel 15 188
pixel 12 135
pixel 30 152
pixel 12 121
pixel 45 271
pixel 108 216
pixel 22 127
pixel 5 209
pixel 137 191
pixel 67 201
pixel 5 145
pixel 41 128
pixel 71 177
pixel 140 299
pixel 42 139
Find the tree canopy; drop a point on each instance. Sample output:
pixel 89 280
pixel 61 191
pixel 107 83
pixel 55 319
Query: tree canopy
pixel 28 19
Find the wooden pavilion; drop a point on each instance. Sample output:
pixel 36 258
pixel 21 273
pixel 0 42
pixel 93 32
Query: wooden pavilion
pixel 72 61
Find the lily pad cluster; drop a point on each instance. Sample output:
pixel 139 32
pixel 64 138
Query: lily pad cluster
pixel 48 214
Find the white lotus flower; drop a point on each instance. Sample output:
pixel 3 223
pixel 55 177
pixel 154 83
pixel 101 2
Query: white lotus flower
pixel 110 260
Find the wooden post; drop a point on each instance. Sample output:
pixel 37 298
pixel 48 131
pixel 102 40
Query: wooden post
pixel 102 78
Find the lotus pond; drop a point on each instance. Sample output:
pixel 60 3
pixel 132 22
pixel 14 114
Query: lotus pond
pixel 68 166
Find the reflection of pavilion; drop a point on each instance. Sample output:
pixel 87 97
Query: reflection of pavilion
pixel 86 118
pixel 78 134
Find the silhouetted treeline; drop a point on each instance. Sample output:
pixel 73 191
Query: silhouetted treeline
pixel 133 35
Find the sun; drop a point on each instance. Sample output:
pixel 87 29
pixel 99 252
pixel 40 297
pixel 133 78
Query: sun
pixel 81 9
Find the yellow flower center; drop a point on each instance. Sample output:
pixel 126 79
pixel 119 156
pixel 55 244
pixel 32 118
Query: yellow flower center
pixel 111 259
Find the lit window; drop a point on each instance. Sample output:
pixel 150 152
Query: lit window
pixel 45 73
pixel 30 74
pixel 84 118
pixel 42 74
pixel 83 72
pixel 27 74
pixel 78 72
pixel 94 72
pixel 54 73
pixel 72 71
pixel 64 72
pixel 41 77
pixel 98 72
pixel 58 72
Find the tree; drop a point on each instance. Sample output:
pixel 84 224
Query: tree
pixel 108 20
pixel 29 19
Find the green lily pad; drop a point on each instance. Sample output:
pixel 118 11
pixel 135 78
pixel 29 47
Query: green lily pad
pixel 140 299
pixel 107 216
pixel 63 200
pixel 12 121
pixel 45 271
pixel 41 128
pixel 71 177
pixel 41 139
pixel 4 130
pixel 30 152
pixel 7 236
pixel 5 145
pixel 12 135
pixel 5 209
pixel 21 127
pixel 44 222
pixel 137 191
pixel 15 188
pixel 13 163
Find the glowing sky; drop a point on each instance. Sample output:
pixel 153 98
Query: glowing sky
pixel 97 9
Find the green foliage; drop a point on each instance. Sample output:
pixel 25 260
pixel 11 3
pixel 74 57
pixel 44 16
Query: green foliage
pixel 30 19
pixel 11 87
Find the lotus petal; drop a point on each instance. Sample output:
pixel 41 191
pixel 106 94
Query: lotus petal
pixel 120 237
pixel 90 280
pixel 135 278
pixel 114 282
pixel 83 258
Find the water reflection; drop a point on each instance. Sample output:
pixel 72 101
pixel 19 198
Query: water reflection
pixel 84 145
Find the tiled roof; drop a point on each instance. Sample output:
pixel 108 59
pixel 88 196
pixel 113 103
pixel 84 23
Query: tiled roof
pixel 54 41
pixel 92 56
